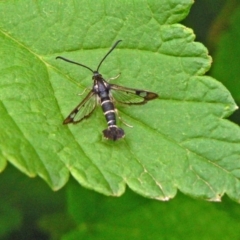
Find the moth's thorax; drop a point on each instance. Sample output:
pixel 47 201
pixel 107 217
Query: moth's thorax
pixel 99 84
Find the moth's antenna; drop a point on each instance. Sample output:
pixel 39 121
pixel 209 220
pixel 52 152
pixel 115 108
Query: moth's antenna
pixel 70 61
pixel 116 43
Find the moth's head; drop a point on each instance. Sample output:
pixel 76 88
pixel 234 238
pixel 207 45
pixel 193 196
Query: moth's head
pixel 96 75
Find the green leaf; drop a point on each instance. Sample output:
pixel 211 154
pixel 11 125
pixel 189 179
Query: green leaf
pixel 179 141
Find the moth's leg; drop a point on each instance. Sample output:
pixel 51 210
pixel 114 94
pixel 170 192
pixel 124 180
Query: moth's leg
pixel 80 94
pixel 116 111
pixel 113 78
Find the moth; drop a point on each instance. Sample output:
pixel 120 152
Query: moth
pixel 106 95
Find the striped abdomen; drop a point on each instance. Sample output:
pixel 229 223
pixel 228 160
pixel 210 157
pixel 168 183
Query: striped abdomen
pixel 113 132
pixel 108 110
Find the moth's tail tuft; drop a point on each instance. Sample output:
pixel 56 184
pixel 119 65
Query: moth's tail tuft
pixel 113 133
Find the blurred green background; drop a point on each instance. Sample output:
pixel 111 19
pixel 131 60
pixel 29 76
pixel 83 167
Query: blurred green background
pixel 30 210
pixel 216 25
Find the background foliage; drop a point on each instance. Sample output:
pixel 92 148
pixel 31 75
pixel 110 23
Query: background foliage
pixel 73 213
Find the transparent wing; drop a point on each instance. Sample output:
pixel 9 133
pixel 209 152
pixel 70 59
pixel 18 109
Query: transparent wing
pixel 83 110
pixel 130 95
